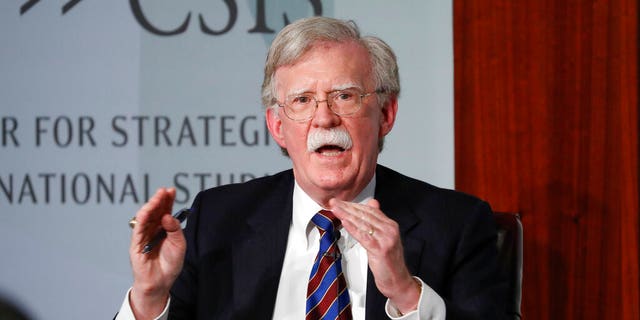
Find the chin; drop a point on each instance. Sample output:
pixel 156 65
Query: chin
pixel 333 180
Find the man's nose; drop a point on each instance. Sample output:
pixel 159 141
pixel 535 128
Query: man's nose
pixel 324 116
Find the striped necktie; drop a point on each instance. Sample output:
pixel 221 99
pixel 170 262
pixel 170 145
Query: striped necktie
pixel 327 294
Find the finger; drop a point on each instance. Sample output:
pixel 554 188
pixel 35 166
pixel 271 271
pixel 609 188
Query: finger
pixel 347 214
pixel 354 220
pixel 167 201
pixel 159 205
pixel 170 224
pixel 373 208
pixel 367 215
pixel 151 208
pixel 173 228
pixel 150 215
pixel 373 203
pixel 372 211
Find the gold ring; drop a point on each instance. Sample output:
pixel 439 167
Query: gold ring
pixel 371 232
pixel 133 222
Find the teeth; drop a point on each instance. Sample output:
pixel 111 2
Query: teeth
pixel 330 150
pixel 334 153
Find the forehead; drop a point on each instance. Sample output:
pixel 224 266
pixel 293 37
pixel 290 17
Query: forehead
pixel 326 66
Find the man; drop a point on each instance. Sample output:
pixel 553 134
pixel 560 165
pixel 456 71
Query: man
pixel 399 248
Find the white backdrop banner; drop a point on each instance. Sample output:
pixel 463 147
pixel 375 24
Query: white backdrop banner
pixel 102 102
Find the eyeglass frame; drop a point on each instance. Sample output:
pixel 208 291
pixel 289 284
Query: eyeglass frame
pixel 329 105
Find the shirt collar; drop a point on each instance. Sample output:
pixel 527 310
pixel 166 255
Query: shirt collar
pixel 304 208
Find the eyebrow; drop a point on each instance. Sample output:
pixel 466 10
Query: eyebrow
pixel 333 89
pixel 346 86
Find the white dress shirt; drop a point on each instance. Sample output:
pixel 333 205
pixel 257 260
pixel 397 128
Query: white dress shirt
pixel 302 247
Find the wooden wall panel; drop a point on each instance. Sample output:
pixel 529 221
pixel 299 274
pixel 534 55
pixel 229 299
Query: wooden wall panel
pixel 546 124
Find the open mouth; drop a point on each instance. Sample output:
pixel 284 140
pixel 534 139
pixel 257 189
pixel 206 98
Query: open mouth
pixel 329 142
pixel 329 150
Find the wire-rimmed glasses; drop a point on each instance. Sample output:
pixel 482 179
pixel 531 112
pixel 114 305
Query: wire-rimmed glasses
pixel 346 102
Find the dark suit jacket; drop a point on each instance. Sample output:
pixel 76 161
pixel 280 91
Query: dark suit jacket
pixel 237 235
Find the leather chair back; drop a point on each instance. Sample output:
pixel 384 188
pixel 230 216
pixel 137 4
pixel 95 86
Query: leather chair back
pixel 510 259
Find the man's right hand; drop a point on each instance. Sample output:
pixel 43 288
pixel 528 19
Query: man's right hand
pixel 155 272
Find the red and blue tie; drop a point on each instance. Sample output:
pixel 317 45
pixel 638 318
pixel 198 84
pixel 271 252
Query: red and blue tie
pixel 327 294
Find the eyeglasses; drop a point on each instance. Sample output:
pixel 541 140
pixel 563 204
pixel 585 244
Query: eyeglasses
pixel 301 107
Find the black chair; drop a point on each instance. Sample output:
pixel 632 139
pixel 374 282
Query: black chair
pixel 510 259
pixel 10 310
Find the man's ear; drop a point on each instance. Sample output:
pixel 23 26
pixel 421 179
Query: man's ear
pixel 388 118
pixel 274 123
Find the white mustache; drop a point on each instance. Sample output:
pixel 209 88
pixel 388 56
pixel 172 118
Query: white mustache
pixel 333 136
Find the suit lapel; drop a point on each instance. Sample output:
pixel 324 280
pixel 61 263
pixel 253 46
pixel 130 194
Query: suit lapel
pixel 258 259
pixel 394 203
